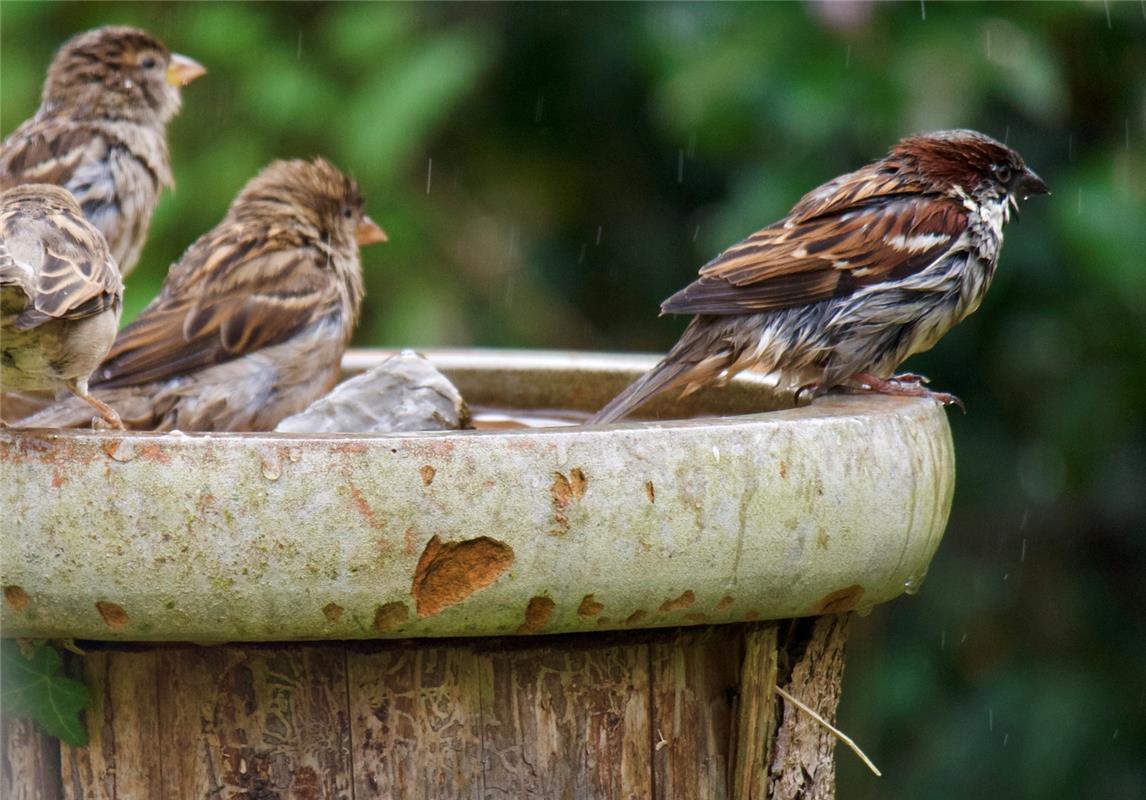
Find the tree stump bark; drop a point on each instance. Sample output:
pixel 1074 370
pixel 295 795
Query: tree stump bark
pixel 684 713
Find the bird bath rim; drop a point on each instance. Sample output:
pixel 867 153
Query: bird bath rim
pixel 273 537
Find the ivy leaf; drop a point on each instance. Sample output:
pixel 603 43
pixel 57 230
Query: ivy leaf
pixel 33 686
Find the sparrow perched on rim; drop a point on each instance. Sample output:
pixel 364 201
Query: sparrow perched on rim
pixel 101 128
pixel 251 323
pixel 865 270
pixel 60 295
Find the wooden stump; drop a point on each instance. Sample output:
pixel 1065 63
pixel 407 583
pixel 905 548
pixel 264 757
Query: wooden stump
pixel 684 713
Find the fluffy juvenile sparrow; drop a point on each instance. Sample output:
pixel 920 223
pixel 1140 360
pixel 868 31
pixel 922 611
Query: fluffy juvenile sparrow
pixel 60 295
pixel 100 131
pixel 251 323
pixel 865 270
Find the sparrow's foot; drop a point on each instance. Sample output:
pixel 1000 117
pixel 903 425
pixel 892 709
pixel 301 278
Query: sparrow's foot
pixel 108 415
pixel 911 387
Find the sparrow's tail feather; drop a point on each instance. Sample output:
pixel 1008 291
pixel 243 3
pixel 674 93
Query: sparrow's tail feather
pixel 652 382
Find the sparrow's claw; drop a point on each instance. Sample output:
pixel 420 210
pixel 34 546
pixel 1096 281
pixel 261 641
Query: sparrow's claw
pixel 806 394
pixel 909 388
pixel 948 400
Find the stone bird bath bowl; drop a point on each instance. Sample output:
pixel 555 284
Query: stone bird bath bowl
pixel 252 537
pixel 264 540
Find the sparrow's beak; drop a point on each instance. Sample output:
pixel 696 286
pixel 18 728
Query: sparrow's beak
pixel 1029 183
pixel 182 70
pixel 369 232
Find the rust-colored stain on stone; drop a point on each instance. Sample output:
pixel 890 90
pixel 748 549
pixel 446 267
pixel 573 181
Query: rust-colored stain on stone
pixel 695 618
pixel 448 573
pixel 841 600
pixel 390 616
pixel 537 614
pixel 684 601
pixel 113 615
pixel 427 472
pixel 650 491
pixel 332 612
pixel 636 616
pixel 58 479
pixel 564 491
pixel 724 602
pixel 783 470
pixel 589 607
pixel 16 597
pixel 363 508
pixel 752 616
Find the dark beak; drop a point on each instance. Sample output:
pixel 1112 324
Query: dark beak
pixel 1029 183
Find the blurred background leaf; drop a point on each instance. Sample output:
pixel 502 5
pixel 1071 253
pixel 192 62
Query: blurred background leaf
pixel 549 172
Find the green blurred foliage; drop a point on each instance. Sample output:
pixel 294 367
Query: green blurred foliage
pixel 549 173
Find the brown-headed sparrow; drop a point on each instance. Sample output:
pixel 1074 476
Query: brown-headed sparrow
pixel 101 131
pixel 60 295
pixel 865 270
pixel 251 323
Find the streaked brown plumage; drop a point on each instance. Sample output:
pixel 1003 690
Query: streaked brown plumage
pixel 100 131
pixel 865 270
pixel 252 322
pixel 60 295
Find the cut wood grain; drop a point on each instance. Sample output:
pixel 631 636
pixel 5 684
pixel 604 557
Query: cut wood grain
pixel 568 723
pixel 31 762
pixel 121 759
pixel 254 723
pixel 756 713
pixel 415 723
pixel 695 675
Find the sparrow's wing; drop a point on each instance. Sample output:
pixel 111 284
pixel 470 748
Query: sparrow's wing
pixel 829 246
pixel 61 263
pixel 235 291
pixel 48 150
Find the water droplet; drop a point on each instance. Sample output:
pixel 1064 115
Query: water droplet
pixel 271 467
pixel 911 586
pixel 122 450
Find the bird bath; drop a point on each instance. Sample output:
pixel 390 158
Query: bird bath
pixel 733 517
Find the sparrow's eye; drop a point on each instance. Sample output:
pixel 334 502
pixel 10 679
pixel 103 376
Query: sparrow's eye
pixel 1002 173
pixel 148 62
pixel 347 212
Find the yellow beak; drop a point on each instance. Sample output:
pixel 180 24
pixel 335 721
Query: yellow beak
pixel 182 70
pixel 369 232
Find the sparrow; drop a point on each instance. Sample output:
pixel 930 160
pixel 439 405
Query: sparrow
pixel 100 131
pixel 60 295
pixel 251 323
pixel 864 271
